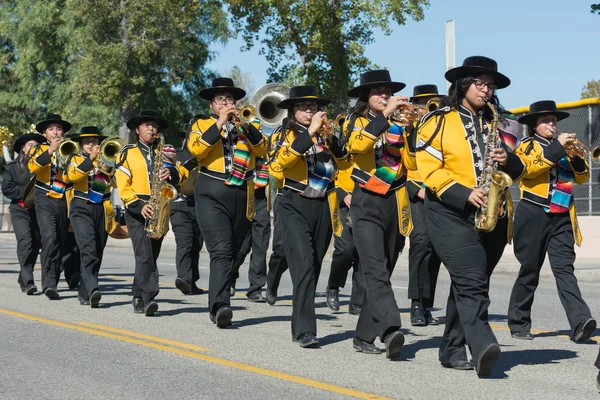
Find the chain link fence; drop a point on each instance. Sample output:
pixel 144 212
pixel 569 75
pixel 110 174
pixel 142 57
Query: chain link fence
pixel 585 122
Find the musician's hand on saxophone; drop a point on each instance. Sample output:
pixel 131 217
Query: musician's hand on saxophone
pixel 165 174
pixel 147 211
pixel 477 197
pixel 500 156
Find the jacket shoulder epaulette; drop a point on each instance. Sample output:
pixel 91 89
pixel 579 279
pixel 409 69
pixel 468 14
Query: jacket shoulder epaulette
pixel 127 147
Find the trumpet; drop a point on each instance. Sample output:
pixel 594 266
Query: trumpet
pixel 65 148
pixel 576 148
pixel 406 113
pixel 246 114
pixel 331 127
pixel 432 105
pixel 108 154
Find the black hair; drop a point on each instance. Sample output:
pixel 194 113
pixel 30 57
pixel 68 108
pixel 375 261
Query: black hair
pixel 22 160
pixel 458 91
pixel 289 123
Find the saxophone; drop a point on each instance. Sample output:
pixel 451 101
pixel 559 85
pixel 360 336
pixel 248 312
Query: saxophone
pixel 161 194
pixel 493 181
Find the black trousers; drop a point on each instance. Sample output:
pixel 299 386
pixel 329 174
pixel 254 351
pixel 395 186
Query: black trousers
pixel 146 252
pixel 538 233
pixel 256 240
pixel 29 242
pixel 71 259
pixel 221 214
pixel 598 360
pixel 423 261
pixel 378 242
pixel 277 262
pixel 464 252
pixel 90 233
pixel 54 226
pixel 306 238
pixel 188 239
pixel 344 258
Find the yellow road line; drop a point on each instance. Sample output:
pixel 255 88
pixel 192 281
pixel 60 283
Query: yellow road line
pixel 204 357
pixel 143 336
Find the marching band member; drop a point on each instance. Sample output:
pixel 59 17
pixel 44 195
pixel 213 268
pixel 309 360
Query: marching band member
pixel 90 210
pixel 423 262
pixel 15 180
pixel 224 193
pixel 277 262
pixel 379 210
pixel 51 204
pixel 188 237
pixel 345 256
pixel 546 222
pixel 257 238
pixel 135 167
pixel 308 204
pixel 451 148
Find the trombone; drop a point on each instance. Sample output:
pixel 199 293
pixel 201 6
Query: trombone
pixel 109 149
pixel 64 149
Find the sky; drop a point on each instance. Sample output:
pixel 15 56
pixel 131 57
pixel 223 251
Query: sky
pixel 549 49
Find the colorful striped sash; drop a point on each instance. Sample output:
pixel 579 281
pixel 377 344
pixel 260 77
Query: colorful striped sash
pixel 241 161
pixel 387 168
pixel 562 198
pixel 97 188
pixel 262 173
pixel 320 170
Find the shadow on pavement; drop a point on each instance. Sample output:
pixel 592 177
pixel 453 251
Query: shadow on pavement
pixel 510 359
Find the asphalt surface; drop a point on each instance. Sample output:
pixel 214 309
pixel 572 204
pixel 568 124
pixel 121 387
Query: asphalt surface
pixel 62 350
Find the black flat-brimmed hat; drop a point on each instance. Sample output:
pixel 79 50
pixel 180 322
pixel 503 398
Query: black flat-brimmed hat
pixel 543 107
pixel 222 85
pixel 21 140
pixel 147 115
pixel 88 132
pixel 52 119
pixel 424 91
pixel 477 65
pixel 303 93
pixel 374 78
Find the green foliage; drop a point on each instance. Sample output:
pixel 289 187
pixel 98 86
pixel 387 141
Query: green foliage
pixel 591 90
pixel 101 62
pixel 319 42
pixel 595 8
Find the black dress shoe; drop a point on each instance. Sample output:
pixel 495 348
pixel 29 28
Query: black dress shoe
pixel 150 308
pixel 232 291
pixel 30 290
pixel 51 293
pixel 95 298
pixel 223 317
pixel 598 381
pixel 365 347
pixel 430 319
pixel 417 315
pixel 488 356
pixel 256 297
pixel 354 309
pixel 393 343
pixel 74 281
pixel 138 305
pixel 584 330
pixel 308 340
pixel 83 301
pixel 270 296
pixel 524 335
pixel 333 299
pixel 183 286
pixel 196 289
pixel 462 365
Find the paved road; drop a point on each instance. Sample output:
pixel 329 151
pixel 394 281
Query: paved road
pixel 61 350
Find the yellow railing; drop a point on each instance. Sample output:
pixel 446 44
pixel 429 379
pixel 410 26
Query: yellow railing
pixel 560 106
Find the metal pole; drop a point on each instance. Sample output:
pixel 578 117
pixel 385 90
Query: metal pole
pixel 590 181
pixel 450 56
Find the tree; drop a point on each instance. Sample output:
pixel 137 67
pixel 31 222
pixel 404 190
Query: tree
pixel 101 62
pixel 242 80
pixel 319 42
pixel 595 8
pixel 591 90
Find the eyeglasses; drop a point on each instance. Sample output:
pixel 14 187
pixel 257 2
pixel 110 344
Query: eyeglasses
pixel 479 84
pixel 309 106
pixel 223 99
pixel 381 92
pixel 150 125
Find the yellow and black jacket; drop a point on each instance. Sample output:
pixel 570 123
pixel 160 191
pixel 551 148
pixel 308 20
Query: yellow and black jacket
pixel 44 166
pixel 133 174
pixel 214 149
pixel 366 144
pixel 544 174
pixel 80 172
pixel 449 157
pixel 295 163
